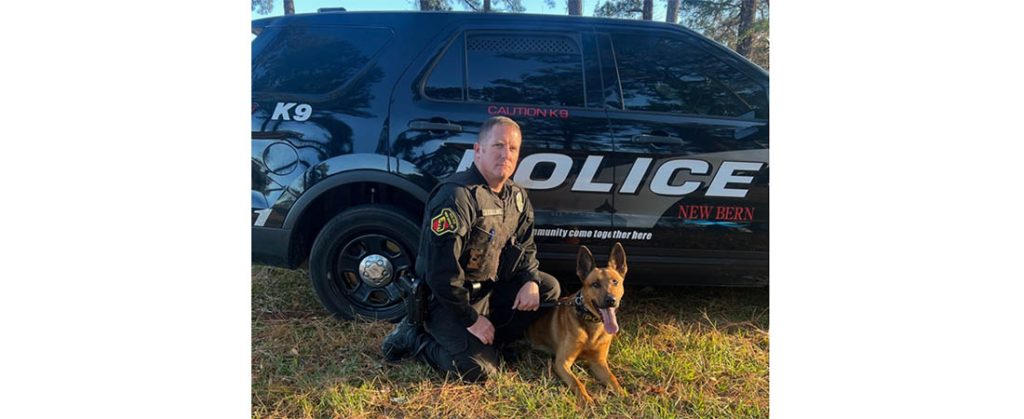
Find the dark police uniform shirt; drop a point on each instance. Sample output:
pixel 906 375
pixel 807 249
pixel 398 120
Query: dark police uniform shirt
pixel 466 228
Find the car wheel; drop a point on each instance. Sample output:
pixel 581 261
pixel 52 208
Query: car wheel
pixel 357 258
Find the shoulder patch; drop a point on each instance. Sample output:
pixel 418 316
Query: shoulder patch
pixel 519 201
pixel 444 222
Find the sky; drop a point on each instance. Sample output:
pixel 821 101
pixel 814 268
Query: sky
pixel 532 6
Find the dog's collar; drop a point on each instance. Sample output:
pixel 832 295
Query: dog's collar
pixel 581 309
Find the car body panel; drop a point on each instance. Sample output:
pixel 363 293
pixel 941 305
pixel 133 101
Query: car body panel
pixel 594 174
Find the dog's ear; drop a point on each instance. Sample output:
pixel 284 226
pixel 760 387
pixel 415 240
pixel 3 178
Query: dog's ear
pixel 617 260
pixel 584 262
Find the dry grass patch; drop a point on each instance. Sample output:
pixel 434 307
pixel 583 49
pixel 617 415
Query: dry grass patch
pixel 681 353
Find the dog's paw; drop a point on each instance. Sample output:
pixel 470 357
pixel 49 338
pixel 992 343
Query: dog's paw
pixel 583 398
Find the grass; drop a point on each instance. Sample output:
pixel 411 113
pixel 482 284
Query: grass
pixel 681 352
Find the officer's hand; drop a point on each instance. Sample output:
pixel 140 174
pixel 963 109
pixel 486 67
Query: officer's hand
pixel 528 298
pixel 483 330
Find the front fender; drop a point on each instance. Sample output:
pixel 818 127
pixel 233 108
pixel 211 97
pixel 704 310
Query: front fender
pixel 342 170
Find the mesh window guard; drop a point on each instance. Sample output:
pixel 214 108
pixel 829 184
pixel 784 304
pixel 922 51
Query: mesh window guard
pixel 522 44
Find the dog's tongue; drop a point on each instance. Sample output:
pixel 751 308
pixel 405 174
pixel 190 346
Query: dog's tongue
pixel 610 324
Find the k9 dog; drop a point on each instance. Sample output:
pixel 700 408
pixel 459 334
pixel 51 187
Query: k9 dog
pixel 583 326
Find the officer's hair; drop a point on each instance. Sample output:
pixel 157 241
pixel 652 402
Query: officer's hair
pixel 485 129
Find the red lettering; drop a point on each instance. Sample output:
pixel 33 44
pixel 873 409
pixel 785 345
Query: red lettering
pixel 704 212
pixel 734 213
pixel 526 111
pixel 690 212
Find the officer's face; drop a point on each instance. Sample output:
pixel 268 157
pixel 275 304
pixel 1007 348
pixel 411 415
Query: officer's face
pixel 496 155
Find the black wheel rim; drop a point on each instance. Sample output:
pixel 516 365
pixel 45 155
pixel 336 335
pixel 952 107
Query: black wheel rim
pixel 345 281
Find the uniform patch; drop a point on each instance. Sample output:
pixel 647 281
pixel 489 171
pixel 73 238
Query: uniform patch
pixel 444 222
pixel 519 201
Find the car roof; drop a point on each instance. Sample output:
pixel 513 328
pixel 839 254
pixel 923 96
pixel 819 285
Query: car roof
pixel 406 19
pixel 329 17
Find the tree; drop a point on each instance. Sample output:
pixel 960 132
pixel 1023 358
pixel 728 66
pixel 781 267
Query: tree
pixel 515 6
pixel 263 7
pixel 626 9
pixel 747 8
pixel 741 25
pixel 434 5
pixel 672 11
pixel 575 7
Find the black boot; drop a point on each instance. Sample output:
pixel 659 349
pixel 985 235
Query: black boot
pixel 508 354
pixel 403 342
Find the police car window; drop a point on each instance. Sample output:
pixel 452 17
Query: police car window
pixel 445 81
pixel 664 74
pixel 533 69
pixel 611 95
pixel 315 60
pixel 259 42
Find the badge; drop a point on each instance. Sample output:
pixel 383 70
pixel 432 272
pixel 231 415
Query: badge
pixel 444 222
pixel 519 201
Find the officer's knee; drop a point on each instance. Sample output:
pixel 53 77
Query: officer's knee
pixel 550 289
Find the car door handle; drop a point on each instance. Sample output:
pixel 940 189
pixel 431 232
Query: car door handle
pixel 736 133
pixel 459 140
pixel 657 139
pixel 434 126
pixel 275 135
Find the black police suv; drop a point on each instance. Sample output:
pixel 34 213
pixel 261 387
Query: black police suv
pixel 636 132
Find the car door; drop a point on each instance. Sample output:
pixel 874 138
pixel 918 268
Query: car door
pixel 538 76
pixel 691 146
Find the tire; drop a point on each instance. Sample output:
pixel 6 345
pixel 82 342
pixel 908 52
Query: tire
pixel 362 237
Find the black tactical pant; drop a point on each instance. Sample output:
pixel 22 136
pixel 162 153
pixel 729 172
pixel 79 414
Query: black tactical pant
pixel 450 348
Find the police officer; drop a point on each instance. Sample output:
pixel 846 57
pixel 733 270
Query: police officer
pixel 478 258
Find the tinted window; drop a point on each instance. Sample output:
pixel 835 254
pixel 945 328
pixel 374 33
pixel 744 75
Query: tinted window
pixel 610 80
pixel 534 69
pixel 259 42
pixel 445 81
pixel 665 74
pixel 314 60
pixel 592 70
